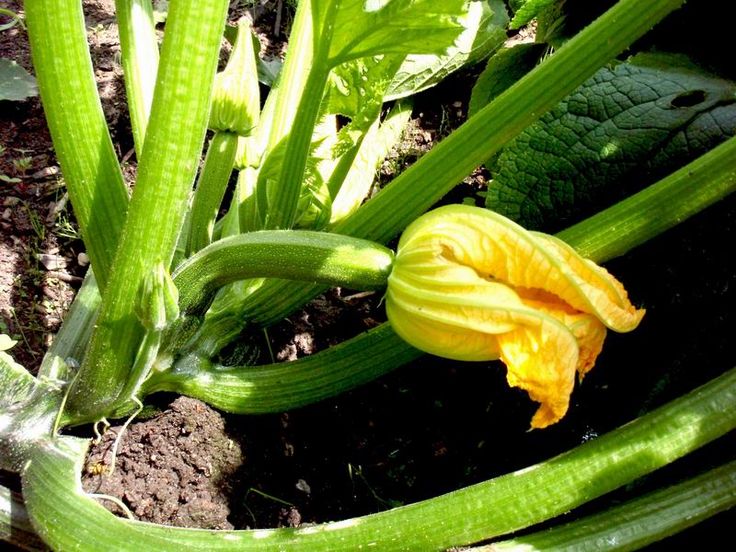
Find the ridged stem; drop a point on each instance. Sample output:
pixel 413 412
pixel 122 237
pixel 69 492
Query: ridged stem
pixel 293 254
pixel 66 518
pixel 635 524
pixel 15 526
pixel 639 218
pixel 66 82
pixel 139 53
pixel 287 385
pixel 165 175
pixel 211 187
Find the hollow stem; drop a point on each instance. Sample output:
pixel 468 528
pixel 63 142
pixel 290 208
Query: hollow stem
pixel 210 190
pixel 139 53
pixel 82 142
pixel 166 172
pixel 635 524
pixel 66 518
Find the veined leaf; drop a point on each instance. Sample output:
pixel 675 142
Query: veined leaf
pixel 356 89
pixel 355 93
pixel 621 130
pixel 374 148
pixel 373 27
pixel 484 31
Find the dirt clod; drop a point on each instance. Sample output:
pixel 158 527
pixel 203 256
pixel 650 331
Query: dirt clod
pixel 173 469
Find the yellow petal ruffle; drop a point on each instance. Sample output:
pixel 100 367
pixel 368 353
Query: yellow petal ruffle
pixel 469 284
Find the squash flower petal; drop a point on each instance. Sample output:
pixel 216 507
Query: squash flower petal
pixel 469 284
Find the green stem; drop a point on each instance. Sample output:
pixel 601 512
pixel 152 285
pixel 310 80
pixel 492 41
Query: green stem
pixel 280 110
pixel 71 341
pixel 639 218
pixel 287 385
pixel 639 522
pixel 278 200
pixel 210 190
pixel 139 49
pixel 293 254
pixel 66 518
pixel 165 174
pixel 81 139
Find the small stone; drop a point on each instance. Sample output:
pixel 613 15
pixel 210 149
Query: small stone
pixel 52 262
pixel 303 486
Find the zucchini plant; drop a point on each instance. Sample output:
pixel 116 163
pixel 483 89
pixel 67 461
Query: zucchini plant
pixel 173 282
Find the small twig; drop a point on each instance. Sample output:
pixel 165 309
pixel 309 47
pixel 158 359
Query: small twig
pixel 122 431
pixel 97 432
pixel 277 23
pixel 268 496
pixel 359 295
pixel 119 503
pixel 268 345
pixel 63 276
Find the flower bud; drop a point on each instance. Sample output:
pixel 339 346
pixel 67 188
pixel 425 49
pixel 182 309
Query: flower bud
pixel 469 284
pixel 235 95
pixel 157 305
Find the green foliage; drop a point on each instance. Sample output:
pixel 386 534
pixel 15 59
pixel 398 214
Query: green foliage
pixel 363 28
pixel 485 25
pixel 309 162
pixel 16 84
pixel 621 130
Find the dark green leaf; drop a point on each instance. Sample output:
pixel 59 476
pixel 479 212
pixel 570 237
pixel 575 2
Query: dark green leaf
pixel 620 131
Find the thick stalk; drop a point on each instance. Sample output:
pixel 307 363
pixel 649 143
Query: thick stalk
pixel 81 139
pixel 277 200
pixel 165 174
pixel 635 524
pixel 71 340
pixel 437 172
pixel 281 106
pixel 293 254
pixel 139 52
pixel 287 385
pixel 211 186
pixel 67 518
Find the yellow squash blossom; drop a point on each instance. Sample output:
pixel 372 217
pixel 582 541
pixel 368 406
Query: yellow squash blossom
pixel 469 284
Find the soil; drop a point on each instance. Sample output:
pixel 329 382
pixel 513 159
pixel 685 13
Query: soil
pixel 428 428
pixel 174 468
